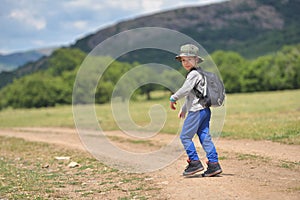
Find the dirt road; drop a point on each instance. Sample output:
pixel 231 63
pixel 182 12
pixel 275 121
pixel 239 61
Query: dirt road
pixel 251 169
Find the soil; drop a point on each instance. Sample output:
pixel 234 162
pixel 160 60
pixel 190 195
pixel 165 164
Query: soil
pixel 251 169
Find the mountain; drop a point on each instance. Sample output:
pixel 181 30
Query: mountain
pixel 12 61
pixel 250 27
pixel 30 66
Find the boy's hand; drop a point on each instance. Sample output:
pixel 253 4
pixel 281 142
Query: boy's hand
pixel 172 105
pixel 181 114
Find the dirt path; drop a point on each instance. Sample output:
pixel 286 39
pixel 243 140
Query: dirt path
pixel 252 169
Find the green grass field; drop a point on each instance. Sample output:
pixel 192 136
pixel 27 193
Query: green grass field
pixel 271 116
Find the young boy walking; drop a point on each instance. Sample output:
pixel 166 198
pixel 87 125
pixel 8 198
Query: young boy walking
pixel 198 117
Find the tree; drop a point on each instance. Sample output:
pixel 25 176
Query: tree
pixel 65 59
pixel 231 65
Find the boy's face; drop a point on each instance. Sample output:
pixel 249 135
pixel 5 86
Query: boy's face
pixel 188 62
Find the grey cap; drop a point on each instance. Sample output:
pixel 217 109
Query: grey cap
pixel 189 50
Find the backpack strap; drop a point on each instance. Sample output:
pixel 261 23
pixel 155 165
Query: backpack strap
pixel 196 91
pixel 204 99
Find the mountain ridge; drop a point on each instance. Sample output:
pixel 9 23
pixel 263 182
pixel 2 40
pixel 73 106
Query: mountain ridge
pixel 225 25
pixel 11 61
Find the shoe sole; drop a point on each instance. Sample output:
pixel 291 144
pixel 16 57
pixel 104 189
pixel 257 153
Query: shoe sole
pixel 194 172
pixel 213 174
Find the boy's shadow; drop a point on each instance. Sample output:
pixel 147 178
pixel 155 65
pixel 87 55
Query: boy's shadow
pixel 201 176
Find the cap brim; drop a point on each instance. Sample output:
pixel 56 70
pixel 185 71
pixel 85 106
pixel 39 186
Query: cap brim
pixel 178 58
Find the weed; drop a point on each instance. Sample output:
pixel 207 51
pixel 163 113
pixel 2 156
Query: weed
pixel 253 157
pixel 289 164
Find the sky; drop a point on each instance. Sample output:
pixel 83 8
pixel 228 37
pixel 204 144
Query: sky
pixel 35 24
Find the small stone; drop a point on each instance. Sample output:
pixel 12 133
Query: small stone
pixel 148 179
pixel 164 183
pixel 62 158
pixel 45 166
pixel 73 164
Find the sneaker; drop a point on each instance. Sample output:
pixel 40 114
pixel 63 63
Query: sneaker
pixel 193 167
pixel 212 169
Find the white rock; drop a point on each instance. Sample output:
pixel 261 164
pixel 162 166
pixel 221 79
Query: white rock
pixel 62 158
pixel 73 164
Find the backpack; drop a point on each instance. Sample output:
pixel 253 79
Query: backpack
pixel 212 90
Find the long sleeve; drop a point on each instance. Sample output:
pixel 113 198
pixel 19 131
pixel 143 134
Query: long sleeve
pixel 188 85
pixel 191 101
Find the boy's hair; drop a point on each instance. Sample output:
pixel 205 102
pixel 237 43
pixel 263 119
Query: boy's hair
pixel 189 50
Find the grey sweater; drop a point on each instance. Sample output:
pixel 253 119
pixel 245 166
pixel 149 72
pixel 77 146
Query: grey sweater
pixel 191 101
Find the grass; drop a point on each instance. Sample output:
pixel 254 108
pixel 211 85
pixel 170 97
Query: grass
pixel 253 157
pixel 143 142
pixel 60 116
pixel 271 116
pixel 256 159
pixel 268 115
pixel 29 170
pixel 289 164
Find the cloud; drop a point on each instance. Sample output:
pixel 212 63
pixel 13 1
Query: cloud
pixel 38 42
pixel 92 5
pixel 24 16
pixel 149 6
pixel 80 24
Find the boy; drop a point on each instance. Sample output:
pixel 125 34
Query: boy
pixel 198 118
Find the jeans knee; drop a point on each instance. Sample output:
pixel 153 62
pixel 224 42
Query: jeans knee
pixel 185 139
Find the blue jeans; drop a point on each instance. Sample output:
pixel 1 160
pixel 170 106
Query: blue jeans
pixel 198 122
